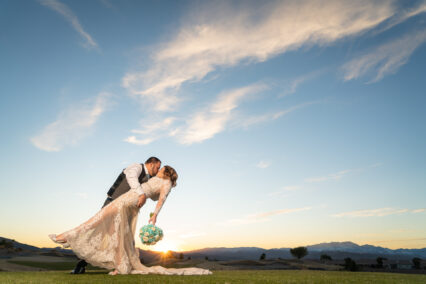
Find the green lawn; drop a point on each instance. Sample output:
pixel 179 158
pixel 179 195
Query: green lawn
pixel 234 276
pixel 50 265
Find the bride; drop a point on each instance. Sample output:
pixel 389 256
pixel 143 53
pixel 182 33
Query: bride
pixel 107 239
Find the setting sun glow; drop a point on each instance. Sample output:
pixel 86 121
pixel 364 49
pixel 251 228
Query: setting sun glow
pixel 165 245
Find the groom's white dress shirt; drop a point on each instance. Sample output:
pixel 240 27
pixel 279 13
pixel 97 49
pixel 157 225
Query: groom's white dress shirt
pixel 132 173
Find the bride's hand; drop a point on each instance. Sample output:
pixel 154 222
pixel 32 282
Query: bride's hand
pixel 141 200
pixel 153 219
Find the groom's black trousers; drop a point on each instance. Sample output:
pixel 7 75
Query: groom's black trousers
pixel 82 263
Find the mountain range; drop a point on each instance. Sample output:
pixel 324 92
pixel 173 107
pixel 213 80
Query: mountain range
pixel 337 250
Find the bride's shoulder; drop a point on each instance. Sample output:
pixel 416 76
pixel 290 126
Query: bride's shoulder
pixel 158 181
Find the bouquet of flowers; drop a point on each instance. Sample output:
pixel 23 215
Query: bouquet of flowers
pixel 150 234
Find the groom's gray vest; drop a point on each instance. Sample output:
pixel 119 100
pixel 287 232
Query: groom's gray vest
pixel 121 185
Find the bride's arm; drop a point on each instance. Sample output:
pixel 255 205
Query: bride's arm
pixel 163 196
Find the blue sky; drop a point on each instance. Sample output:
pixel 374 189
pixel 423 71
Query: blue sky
pixel 289 123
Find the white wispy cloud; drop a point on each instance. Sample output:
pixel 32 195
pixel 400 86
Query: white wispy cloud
pixel 385 59
pixel 291 187
pixel 72 125
pixel 263 217
pixel 419 210
pixel 200 124
pixel 208 122
pixel 403 13
pixel 134 140
pixel 286 189
pixel 333 176
pixel 278 212
pixel 400 231
pixel 376 165
pixel 296 82
pixel 68 14
pixel 149 127
pixel 247 121
pixel 402 240
pixel 151 130
pixel 203 124
pixel 263 164
pixel 244 35
pixel 107 4
pixel 82 195
pixel 379 212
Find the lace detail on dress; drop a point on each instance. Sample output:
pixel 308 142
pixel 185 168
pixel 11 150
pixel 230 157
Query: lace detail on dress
pixel 107 239
pixel 153 187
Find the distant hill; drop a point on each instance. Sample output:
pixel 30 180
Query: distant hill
pixel 337 250
pixel 28 249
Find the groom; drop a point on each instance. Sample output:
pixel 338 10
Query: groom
pixel 131 177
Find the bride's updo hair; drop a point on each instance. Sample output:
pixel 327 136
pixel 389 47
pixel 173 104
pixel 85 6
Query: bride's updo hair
pixel 171 174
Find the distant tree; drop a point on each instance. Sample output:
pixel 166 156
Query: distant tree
pixel 262 256
pixel 8 244
pixel 350 264
pixel 325 257
pixel 206 258
pixel 380 261
pixel 181 256
pixel 416 262
pixel 299 252
pixel 189 258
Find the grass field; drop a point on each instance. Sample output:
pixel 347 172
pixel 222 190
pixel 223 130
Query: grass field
pixel 235 276
pixel 50 265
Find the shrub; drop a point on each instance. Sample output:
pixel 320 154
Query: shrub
pixel 380 261
pixel 325 257
pixel 350 264
pixel 299 252
pixel 416 262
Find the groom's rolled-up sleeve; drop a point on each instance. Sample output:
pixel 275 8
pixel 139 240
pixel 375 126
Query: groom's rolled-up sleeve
pixel 132 173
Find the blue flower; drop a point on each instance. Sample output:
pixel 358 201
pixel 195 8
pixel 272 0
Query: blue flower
pixel 150 234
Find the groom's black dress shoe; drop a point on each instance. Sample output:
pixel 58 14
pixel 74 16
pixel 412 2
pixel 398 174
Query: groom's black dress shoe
pixel 79 270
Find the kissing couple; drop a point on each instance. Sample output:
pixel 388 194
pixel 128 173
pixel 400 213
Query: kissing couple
pixel 107 239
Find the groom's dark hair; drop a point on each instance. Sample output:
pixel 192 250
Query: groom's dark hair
pixel 152 160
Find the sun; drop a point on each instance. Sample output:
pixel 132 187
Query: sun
pixel 165 245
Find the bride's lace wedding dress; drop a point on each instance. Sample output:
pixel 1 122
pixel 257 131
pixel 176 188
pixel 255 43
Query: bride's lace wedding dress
pixel 107 239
